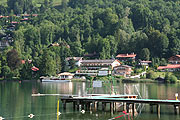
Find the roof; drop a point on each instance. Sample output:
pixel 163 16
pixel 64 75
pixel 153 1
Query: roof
pixel 178 56
pixel 34 68
pixel 126 55
pixel 66 73
pixel 174 57
pixel 75 58
pixel 145 61
pixel 23 61
pixel 24 19
pixel 98 61
pixel 14 22
pixel 126 66
pixel 169 66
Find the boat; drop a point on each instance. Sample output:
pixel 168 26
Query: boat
pixel 54 79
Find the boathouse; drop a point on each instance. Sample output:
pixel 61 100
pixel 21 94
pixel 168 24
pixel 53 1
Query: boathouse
pixel 66 75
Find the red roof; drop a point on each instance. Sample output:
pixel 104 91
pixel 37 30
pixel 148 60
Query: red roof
pixel 177 55
pixel 22 61
pixel 169 66
pixel 25 19
pixel 126 55
pixel 14 22
pixel 34 14
pixel 34 68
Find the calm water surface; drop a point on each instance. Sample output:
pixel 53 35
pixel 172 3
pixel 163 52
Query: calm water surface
pixel 16 102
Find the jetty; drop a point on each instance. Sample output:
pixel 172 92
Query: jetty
pixel 128 101
pixel 93 102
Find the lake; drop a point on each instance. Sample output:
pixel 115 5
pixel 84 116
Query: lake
pixel 16 102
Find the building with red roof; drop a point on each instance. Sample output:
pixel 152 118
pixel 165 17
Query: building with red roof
pixel 123 70
pixel 125 57
pixel 174 59
pixel 170 67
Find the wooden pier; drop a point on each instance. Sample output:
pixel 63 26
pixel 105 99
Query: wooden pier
pixel 93 101
pixel 129 102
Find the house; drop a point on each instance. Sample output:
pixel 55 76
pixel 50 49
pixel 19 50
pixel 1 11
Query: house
pixel 174 59
pixel 170 67
pixel 126 57
pixel 144 63
pixel 123 70
pixel 77 60
pixel 97 67
pixel 66 75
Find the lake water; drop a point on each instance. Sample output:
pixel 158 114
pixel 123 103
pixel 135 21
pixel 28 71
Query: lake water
pixel 16 102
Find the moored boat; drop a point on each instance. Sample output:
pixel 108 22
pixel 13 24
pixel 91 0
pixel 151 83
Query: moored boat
pixel 54 79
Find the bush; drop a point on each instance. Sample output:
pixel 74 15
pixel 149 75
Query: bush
pixel 173 79
pixel 170 78
pixel 151 75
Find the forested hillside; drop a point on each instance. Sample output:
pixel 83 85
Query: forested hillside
pixel 81 27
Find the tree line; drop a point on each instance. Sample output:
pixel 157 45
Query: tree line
pixel 149 28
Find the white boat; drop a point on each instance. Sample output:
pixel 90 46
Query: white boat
pixel 54 79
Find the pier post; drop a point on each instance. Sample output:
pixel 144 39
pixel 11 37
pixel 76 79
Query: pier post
pixel 103 106
pixel 151 108
pixel 158 110
pixel 124 106
pixel 133 108
pixel 114 106
pixel 64 104
pixel 127 107
pixel 111 107
pixel 82 105
pixel 97 104
pixel 78 104
pixel 176 109
pixel 87 105
pixel 94 105
pixel 74 105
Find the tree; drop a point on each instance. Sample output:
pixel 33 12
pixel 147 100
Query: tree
pixel 140 16
pixel 145 54
pixel 20 6
pixel 19 41
pixel 13 59
pixel 158 43
pixel 26 72
pixel 6 72
pixel 47 65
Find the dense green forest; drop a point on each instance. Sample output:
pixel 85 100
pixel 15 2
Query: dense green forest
pixel 149 28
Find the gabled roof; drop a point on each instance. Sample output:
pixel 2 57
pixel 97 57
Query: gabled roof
pixel 98 61
pixel 145 61
pixel 126 55
pixel 169 66
pixel 34 68
pixel 75 58
pixel 174 57
pixel 126 66
pixel 66 73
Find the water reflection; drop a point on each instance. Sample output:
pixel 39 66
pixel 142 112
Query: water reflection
pixel 16 100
